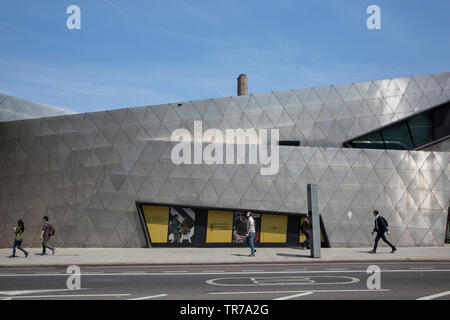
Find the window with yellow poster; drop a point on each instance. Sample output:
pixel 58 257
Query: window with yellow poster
pixel 273 228
pixel 219 226
pixel 157 220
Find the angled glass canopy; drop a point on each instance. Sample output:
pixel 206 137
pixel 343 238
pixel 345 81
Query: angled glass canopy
pixel 410 133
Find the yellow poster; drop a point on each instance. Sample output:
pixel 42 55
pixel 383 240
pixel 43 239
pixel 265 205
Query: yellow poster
pixel 157 219
pixel 273 228
pixel 219 227
pixel 302 235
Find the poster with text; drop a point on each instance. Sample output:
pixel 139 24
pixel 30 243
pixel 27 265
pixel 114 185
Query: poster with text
pixel 156 219
pixel 274 228
pixel 219 227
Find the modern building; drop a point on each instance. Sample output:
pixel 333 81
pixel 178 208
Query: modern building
pixel 12 108
pixel 109 179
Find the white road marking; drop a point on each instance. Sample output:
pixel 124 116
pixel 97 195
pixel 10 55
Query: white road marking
pixel 150 297
pixel 295 269
pixel 174 272
pixel 209 271
pixel 307 293
pixel 22 292
pixel 71 296
pixel 283 292
pixel 33 268
pixel 434 296
pixel 335 269
pixel 279 281
pixel 184 273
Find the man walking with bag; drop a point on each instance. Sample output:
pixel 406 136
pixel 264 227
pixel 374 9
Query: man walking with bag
pixel 47 231
pixel 381 226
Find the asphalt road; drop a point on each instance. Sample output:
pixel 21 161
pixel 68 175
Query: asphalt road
pixel 409 281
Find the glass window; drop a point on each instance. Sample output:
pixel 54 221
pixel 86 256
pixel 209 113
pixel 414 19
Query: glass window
pixel 397 137
pixel 421 128
pixel 442 121
pixel 369 141
pixel 410 133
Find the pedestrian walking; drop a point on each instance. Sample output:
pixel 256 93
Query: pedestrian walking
pixel 19 230
pixel 305 227
pixel 47 232
pixel 251 231
pixel 381 227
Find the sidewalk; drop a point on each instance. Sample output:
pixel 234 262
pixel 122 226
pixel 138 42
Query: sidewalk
pixel 185 256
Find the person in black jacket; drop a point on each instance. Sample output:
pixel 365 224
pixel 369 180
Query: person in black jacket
pixel 305 230
pixel 381 226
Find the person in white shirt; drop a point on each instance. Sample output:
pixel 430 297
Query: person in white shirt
pixel 250 233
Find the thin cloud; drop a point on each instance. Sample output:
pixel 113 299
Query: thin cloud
pixel 206 18
pixel 116 7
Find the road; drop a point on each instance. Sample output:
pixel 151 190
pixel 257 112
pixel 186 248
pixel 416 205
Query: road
pixel 318 281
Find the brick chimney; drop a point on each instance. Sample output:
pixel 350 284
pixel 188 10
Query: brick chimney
pixel 242 89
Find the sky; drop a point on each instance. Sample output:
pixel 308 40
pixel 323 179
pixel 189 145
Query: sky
pixel 146 52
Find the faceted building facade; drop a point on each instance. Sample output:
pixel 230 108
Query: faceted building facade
pixel 12 108
pixel 87 171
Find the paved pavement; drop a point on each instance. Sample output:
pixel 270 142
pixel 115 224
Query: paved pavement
pixel 318 281
pixel 187 256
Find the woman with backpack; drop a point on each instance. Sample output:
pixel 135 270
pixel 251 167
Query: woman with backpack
pixel 19 230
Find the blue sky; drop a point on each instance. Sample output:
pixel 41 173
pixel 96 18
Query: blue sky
pixel 144 52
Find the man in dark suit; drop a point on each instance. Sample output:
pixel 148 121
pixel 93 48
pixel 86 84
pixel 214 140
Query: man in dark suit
pixel 381 226
pixel 305 230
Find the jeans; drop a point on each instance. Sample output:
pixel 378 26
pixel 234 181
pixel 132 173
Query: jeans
pixel 306 242
pixel 45 245
pixel 18 244
pixel 380 235
pixel 249 241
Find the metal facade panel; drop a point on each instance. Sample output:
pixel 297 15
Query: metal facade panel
pixel 87 171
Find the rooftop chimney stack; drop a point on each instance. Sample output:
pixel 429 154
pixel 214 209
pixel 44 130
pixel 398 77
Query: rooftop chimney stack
pixel 242 85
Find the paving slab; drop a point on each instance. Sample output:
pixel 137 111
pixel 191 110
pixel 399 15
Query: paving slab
pixel 214 256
